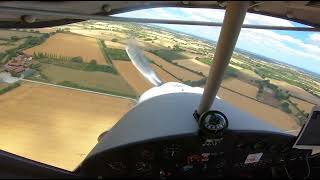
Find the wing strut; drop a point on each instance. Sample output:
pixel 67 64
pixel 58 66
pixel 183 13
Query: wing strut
pixel 232 22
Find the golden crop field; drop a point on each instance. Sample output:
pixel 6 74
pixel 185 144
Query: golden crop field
pixel 194 65
pixel 240 87
pixel 96 80
pixel 302 105
pixel 71 45
pixel 53 125
pixel 45 30
pixel 175 70
pixel 101 34
pixel 271 115
pixel 164 76
pixel 132 76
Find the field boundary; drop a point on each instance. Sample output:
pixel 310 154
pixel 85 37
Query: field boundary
pixel 87 91
pixel 248 97
pixel 303 99
pixel 103 50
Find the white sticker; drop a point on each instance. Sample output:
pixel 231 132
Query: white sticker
pixel 253 158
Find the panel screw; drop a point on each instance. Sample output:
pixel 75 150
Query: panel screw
pixel 106 8
pixel 256 8
pixel 289 15
pixel 222 4
pixel 28 18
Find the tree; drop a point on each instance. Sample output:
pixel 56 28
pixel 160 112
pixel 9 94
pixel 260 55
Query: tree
pixel 46 35
pixel 14 38
pixel 285 107
pixel 93 62
pixel 77 59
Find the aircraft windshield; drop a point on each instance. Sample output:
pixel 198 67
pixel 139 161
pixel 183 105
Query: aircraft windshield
pixel 61 87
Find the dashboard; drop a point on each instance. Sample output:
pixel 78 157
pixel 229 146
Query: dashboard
pixel 234 154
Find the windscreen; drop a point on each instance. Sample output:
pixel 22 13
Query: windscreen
pixel 61 87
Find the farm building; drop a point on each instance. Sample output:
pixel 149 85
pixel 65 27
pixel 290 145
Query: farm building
pixel 18 64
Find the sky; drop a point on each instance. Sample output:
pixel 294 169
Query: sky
pixel 301 49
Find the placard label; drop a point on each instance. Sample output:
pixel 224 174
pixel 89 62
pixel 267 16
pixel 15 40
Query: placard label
pixel 253 158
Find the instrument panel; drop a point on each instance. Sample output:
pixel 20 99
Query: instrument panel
pixel 235 154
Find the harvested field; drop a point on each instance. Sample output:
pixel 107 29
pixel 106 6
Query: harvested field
pixel 96 80
pixel 273 116
pixel 45 30
pixel 164 76
pixel 248 76
pixel 71 45
pixel 132 76
pixel 302 105
pixel 175 70
pixel 296 91
pixel 240 87
pixel 194 65
pixel 101 34
pixel 53 125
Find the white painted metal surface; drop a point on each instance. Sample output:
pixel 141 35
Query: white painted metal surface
pixel 168 115
pixel 167 88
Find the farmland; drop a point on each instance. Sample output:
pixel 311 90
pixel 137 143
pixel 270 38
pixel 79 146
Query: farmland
pixel 296 91
pixel 302 105
pixel 7 45
pixel 10 39
pixel 21 34
pixel 176 71
pixel 274 93
pixel 3 85
pixel 195 65
pixel 163 74
pixel 99 81
pixel 269 114
pixel 241 87
pixel 132 76
pixel 70 45
pixel 114 45
pixel 54 125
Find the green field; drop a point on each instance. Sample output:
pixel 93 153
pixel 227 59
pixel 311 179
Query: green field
pixel 97 81
pixel 169 55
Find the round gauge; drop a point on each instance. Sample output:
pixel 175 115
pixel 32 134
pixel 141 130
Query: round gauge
pixel 172 151
pixel 147 154
pixel 142 167
pixel 117 166
pixel 285 148
pixel 213 121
